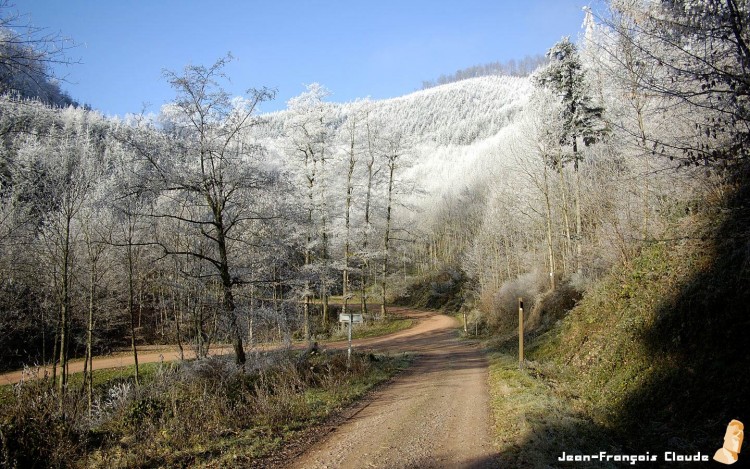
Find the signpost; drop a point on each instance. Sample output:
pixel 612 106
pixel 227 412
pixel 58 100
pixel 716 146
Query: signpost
pixel 350 318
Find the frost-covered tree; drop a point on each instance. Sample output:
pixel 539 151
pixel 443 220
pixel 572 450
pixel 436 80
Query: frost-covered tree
pixel 395 147
pixel 309 136
pixel 96 226
pixel 208 169
pixel 131 235
pixel 537 149
pixel 352 131
pixel 581 118
pixel 700 53
pixel 27 55
pixel 69 167
pixel 372 129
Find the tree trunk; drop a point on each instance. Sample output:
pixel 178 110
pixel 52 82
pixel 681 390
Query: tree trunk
pixel 131 306
pixel 365 239
pixel 566 219
pixel 506 245
pixel 579 251
pixel 387 236
pixel 347 213
pixel 325 254
pixel 251 318
pixel 645 231
pixel 550 250
pixel 55 345
pixel 177 320
pixel 308 254
pixel 226 283
pixel 324 300
pixel 89 339
pixel 62 380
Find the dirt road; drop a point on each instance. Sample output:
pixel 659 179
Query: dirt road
pixel 436 415
pixel 168 353
pixel 146 354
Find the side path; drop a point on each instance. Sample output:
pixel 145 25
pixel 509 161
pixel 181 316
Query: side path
pixel 436 415
pixel 168 353
pixel 145 355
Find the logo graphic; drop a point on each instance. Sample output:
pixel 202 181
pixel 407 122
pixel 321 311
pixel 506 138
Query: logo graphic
pixel 732 443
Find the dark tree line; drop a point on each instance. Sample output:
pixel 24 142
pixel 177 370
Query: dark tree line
pixel 514 68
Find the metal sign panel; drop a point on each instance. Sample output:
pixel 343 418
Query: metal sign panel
pixel 356 317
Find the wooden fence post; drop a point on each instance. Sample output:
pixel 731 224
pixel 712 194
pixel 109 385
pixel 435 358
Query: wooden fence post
pixel 520 333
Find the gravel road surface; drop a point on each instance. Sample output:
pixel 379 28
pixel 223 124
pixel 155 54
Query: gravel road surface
pixel 435 415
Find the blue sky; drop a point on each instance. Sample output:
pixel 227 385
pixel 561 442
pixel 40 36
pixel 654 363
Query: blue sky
pixel 376 48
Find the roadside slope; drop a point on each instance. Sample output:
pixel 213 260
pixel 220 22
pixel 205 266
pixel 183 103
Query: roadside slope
pixel 651 359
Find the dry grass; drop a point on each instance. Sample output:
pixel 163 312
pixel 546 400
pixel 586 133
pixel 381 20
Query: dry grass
pixel 536 418
pixel 198 412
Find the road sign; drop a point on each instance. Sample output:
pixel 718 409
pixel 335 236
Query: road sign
pixel 356 318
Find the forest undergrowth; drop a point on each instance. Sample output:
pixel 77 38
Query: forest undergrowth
pixel 203 412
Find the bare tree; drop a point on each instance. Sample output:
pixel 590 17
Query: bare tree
pixel 28 55
pixel 395 147
pixel 96 228
pixel 70 177
pixel 208 168
pixel 351 130
pixel 539 138
pixel 372 136
pixel 699 57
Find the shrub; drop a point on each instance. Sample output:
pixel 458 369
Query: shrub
pixel 182 413
pixel 35 433
pixel 551 307
pixel 502 307
pixel 443 290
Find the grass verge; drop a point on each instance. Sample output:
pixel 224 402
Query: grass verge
pixel 650 360
pixel 537 418
pixel 102 379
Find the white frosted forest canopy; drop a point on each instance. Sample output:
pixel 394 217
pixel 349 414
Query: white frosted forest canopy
pixel 608 189
pixel 245 223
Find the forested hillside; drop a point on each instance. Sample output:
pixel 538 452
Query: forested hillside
pixel 294 192
pixel 608 189
pixel 513 68
pixel 27 55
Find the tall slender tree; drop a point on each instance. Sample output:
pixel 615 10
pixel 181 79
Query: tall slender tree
pixel 69 175
pixel 395 147
pixel 582 120
pixel 309 136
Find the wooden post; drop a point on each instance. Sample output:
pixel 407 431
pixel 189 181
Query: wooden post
pixel 520 333
pixel 349 334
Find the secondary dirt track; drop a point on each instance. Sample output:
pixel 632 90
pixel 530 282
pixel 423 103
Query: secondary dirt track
pixel 435 415
pixel 154 353
pixel 168 353
pixel 148 354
